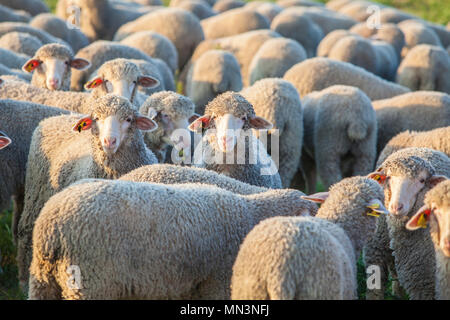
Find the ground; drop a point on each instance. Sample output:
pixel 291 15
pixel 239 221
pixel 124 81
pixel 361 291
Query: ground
pixel 437 11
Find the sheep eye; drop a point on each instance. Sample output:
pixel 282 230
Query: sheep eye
pixel 422 180
pixel 128 119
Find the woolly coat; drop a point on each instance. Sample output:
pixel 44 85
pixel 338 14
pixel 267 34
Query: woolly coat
pixel 188 254
pixel 20 42
pixel 59 156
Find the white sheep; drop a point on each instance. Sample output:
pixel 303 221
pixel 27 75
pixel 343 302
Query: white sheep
pixel 417 33
pixel 20 42
pixel 406 176
pixel 17 75
pixel 213 73
pixel 278 101
pixel 199 8
pixel 225 5
pixel 181 258
pixel 436 212
pixel 229 147
pixel 34 7
pixel 105 144
pixel 319 73
pixel 12 59
pixel 44 37
pixel 310 257
pixel 268 9
pixel 8 14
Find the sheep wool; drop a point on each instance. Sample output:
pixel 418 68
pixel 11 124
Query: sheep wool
pixel 20 42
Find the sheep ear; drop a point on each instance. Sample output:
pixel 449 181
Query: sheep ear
pixel 147 82
pixel 200 123
pixel 419 220
pixel 379 176
pixel 83 124
pixel 260 123
pixel 146 124
pixel 31 64
pixel 80 64
pixel 435 179
pixel 4 141
pixel 152 113
pixel 93 83
pixel 318 197
pixel 194 117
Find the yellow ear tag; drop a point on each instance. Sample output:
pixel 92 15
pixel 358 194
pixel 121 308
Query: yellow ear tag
pixel 32 65
pixel 422 221
pixel 83 124
pixel 373 211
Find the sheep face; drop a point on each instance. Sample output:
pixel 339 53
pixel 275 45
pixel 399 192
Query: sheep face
pixel 53 69
pixel 4 140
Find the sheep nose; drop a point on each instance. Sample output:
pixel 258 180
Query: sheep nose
pixel 110 142
pixel 54 83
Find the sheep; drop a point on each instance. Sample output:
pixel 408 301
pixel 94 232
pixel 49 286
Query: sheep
pixel 358 10
pixel 179 26
pixel 8 14
pixel 20 42
pixel 436 213
pixel 267 9
pixel 59 28
pixel 437 139
pixel 44 37
pixel 278 101
pixel 300 3
pixel 225 5
pixel 327 43
pixel 274 58
pixel 207 2
pixel 417 33
pixel 340 135
pixel 215 72
pixel 406 176
pixel 387 32
pixel 58 158
pixel 155 64
pixel 197 7
pixel 233 22
pixel 287 23
pixel 51 66
pixel 12 59
pixel 213 222
pixel 228 120
pixel 18 74
pixel 146 2
pixel 171 111
pixel 425 67
pixel 310 257
pixel 100 19
pixel 420 111
pixel 98 53
pixel 33 7
pixel 154 45
pixel 319 73
pixel 337 4
pixel 15 159
pixel 4 140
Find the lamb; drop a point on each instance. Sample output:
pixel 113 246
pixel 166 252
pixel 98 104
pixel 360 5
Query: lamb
pixel 267 9
pixel 417 33
pixel 274 58
pixel 12 59
pixel 44 37
pixel 310 257
pixel 243 46
pixel 100 19
pixel 179 26
pixel 319 73
pixel 98 53
pixel 425 67
pixel 340 135
pixel 51 66
pixel 420 111
pixel 18 74
pixel 278 101
pixel 57 158
pixel 225 5
pixel 59 28
pixel 4 140
pixel 15 159
pixel 406 176
pixel 213 220
pixel 154 45
pixel 20 42
pixel 237 21
pixel 436 213
pixel 33 7
pixel 287 23
pixel 171 111
pixel 215 72
pixel 437 139
pixel 8 14
pixel 228 120
pixel 199 8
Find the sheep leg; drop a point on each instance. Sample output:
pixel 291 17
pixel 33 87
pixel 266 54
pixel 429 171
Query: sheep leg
pixel 17 211
pixel 44 290
pixel 328 167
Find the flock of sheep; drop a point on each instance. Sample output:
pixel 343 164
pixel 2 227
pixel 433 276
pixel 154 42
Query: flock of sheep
pixel 101 182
